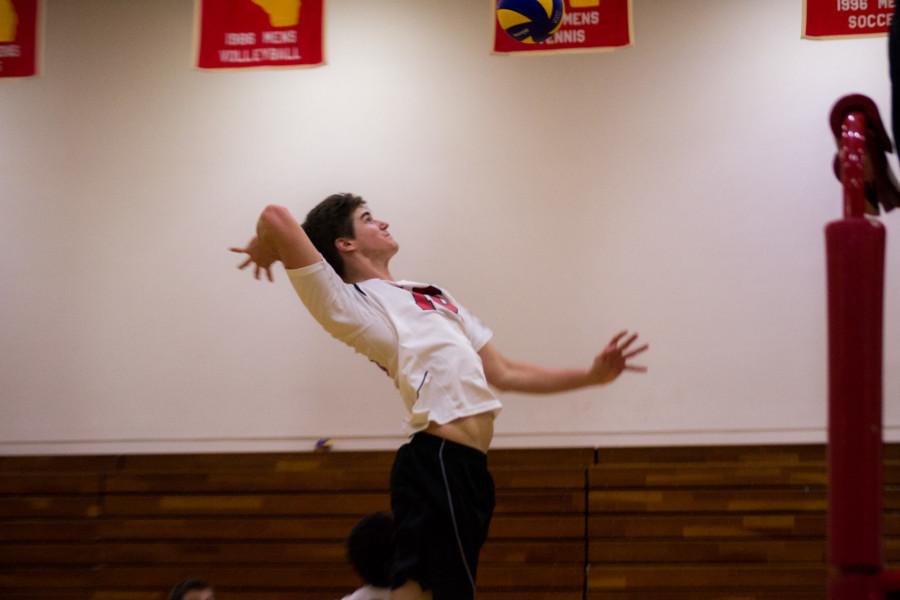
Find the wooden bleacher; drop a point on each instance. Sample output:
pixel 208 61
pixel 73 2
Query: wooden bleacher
pixel 726 522
pixel 698 523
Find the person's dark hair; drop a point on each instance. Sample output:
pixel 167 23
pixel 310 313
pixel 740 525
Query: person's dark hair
pixel 188 585
pixel 370 547
pixel 331 219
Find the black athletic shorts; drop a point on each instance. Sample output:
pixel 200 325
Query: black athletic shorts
pixel 442 497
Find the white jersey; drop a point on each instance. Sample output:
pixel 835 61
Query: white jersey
pixel 425 340
pixel 370 593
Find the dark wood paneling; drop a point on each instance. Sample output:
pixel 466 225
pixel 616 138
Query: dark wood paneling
pixel 263 525
pixel 689 526
pixel 538 527
pixel 322 480
pixel 57 483
pixel 226 593
pixel 525 552
pixel 692 501
pixel 528 477
pixel 334 577
pixel 516 551
pixel 735 523
pixel 728 455
pixel 78 553
pixel 24 507
pixel 256 463
pixel 58 465
pixel 731 552
pixel 750 593
pixel 46 578
pixel 547 458
pixel 55 594
pixel 315 504
pixel 725 522
pixel 702 475
pixel 19 530
pixel 697 577
pixel 528 526
pixel 233 552
pixel 245 505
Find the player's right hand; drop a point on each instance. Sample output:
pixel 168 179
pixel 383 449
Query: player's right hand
pixel 258 254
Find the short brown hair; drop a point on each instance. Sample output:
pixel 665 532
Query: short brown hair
pixel 332 218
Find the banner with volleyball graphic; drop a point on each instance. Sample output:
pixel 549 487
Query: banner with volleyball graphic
pixel 846 18
pixel 18 38
pixel 258 33
pixel 561 25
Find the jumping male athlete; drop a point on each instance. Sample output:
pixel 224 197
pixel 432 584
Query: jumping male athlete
pixel 443 363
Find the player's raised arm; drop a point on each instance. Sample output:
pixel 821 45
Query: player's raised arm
pixel 508 375
pixel 278 237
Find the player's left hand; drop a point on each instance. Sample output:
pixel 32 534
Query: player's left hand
pixel 614 359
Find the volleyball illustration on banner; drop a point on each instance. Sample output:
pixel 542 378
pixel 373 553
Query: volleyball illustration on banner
pixel 530 21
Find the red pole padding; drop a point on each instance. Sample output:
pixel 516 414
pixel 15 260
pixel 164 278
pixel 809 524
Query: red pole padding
pixel 890 581
pixel 855 587
pixel 855 254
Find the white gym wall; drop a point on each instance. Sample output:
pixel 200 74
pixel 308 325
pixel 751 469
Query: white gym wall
pixel 678 187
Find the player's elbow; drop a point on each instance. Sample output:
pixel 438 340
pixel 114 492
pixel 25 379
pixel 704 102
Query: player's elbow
pixel 498 376
pixel 274 215
pixel 275 223
pixel 497 369
pixel 500 384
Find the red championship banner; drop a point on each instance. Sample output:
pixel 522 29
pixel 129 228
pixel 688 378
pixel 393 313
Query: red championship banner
pixel 258 33
pixel 846 18
pixel 541 26
pixel 18 38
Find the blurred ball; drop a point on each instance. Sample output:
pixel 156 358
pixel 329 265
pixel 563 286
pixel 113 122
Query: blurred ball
pixel 324 445
pixel 530 21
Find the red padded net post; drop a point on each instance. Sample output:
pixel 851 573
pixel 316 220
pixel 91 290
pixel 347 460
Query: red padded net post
pixel 855 256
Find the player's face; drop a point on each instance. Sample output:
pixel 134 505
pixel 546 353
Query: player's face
pixel 206 594
pixel 371 235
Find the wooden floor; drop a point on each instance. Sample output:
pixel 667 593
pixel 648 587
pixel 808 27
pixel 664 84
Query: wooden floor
pixel 736 523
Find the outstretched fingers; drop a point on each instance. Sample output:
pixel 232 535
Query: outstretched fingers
pixel 260 265
pixel 636 351
pixel 628 342
pixel 620 350
pixel 238 250
pixel 260 269
pixel 614 342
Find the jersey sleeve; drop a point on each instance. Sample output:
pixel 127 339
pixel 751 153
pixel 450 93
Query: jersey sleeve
pixel 338 307
pixel 477 332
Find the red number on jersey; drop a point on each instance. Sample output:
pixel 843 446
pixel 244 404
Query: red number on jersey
pixel 426 297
